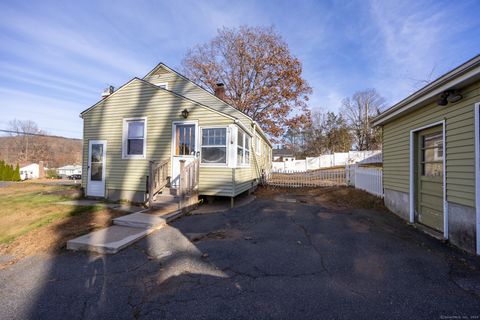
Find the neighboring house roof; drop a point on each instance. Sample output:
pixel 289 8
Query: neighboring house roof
pixel 282 153
pixel 29 165
pixel 70 167
pixel 461 76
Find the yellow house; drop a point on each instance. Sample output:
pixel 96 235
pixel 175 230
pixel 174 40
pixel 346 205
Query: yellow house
pixel 431 156
pixel 165 117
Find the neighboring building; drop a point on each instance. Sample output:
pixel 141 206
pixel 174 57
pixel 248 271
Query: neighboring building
pixel 165 116
pixel 431 156
pixel 32 171
pixel 282 155
pixel 69 170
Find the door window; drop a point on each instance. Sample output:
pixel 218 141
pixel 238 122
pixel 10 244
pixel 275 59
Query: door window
pixel 96 162
pixel 432 155
pixel 185 140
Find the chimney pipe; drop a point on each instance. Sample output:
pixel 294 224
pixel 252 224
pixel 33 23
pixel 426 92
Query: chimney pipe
pixel 220 91
pixel 108 91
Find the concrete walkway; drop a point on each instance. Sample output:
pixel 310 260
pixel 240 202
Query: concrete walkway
pixel 125 230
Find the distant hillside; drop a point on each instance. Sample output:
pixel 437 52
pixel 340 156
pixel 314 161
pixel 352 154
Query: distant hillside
pixel 53 151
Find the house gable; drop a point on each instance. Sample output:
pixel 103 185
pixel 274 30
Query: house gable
pixel 185 87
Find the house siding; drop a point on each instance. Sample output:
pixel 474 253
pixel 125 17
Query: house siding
pixel 459 146
pixel 139 99
pixel 190 90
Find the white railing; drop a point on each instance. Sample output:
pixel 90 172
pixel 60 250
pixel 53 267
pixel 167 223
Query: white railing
pixel 189 177
pixel 315 178
pixel 369 180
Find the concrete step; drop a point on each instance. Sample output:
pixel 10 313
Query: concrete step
pixel 165 206
pixel 140 220
pixel 172 215
pixel 109 240
pixel 166 198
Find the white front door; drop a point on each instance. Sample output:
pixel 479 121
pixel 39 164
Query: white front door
pixel 97 151
pixel 184 146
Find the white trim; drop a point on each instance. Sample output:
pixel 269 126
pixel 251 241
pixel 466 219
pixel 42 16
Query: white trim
pixel 163 85
pixel 412 176
pixel 227 146
pixel 125 138
pixel 477 173
pixel 89 166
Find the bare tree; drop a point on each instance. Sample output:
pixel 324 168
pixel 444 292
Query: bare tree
pixel 359 111
pixel 329 133
pixel 262 78
pixel 28 146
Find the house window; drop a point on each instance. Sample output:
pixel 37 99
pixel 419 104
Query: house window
pixel 134 138
pixel 258 145
pixel 243 148
pixel 163 85
pixel 214 146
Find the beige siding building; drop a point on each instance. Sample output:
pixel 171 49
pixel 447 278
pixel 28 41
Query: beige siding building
pixel 165 116
pixel 430 155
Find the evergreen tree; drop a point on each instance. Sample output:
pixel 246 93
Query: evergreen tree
pixel 9 173
pixel 2 169
pixel 16 176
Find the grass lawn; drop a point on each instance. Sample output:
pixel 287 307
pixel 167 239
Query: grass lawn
pixel 32 221
pixel 27 206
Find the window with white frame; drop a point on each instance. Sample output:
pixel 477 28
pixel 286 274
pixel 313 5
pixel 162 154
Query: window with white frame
pixel 163 85
pixel 214 146
pixel 258 145
pixel 134 138
pixel 243 148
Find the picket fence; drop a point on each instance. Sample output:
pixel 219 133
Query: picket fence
pixel 313 178
pixel 368 179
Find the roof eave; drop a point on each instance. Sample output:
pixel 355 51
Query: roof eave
pixel 458 76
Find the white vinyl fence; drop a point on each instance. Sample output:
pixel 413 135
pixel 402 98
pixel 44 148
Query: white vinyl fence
pixel 367 179
pixel 329 160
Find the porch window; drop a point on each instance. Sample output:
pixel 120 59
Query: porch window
pixel 243 148
pixel 214 146
pixel 134 140
pixel 258 145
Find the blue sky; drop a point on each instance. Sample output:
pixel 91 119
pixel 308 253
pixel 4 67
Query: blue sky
pixel 57 56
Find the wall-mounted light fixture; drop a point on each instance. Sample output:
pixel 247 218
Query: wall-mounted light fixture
pixel 185 113
pixel 449 96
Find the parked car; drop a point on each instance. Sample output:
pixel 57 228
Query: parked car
pixel 75 177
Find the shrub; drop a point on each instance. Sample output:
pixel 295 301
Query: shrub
pixel 51 174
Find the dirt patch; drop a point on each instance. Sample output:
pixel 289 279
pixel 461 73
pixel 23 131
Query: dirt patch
pixel 53 237
pixel 330 197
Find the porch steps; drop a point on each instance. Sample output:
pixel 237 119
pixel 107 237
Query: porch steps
pixel 140 220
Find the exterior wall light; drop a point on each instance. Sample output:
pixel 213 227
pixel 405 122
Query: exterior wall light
pixel 185 113
pixel 449 96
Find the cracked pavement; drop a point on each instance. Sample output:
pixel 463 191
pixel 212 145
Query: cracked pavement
pixel 266 260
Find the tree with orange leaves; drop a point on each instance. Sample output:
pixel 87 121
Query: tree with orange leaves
pixel 262 77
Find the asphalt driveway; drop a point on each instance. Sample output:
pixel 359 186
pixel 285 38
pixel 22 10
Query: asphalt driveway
pixel 268 259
